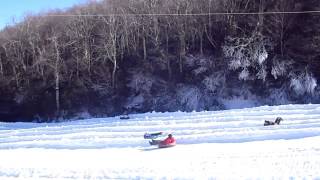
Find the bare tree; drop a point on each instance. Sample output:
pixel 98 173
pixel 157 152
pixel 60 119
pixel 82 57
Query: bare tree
pixel 278 24
pixel 248 53
pixel 109 43
pixel 2 54
pixel 57 73
pixel 182 7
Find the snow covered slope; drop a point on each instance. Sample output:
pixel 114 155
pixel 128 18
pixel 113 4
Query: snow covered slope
pixel 230 144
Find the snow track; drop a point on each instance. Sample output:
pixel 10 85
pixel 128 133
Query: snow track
pixel 230 126
pixel 226 134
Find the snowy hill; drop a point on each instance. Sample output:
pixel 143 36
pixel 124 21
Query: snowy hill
pixel 230 144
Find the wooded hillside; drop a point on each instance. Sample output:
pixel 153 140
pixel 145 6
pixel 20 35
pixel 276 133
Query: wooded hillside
pixel 104 58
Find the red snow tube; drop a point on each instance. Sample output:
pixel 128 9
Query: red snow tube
pixel 163 144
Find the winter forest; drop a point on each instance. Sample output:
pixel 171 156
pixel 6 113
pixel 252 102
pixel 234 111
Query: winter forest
pixel 110 57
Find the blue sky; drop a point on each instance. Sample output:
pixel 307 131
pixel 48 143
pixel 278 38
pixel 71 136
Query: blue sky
pixel 18 8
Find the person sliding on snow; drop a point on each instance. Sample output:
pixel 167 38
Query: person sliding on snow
pixel 277 121
pixel 168 141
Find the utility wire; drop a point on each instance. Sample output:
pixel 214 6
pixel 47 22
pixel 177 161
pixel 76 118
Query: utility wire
pixel 188 14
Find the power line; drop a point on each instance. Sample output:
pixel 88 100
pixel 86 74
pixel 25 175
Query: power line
pixel 188 14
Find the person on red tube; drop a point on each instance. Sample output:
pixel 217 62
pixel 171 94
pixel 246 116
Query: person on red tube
pixel 168 141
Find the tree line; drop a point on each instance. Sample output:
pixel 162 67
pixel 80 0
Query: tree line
pixel 112 56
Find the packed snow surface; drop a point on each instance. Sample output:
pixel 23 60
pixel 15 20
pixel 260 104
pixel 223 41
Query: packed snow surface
pixel 231 144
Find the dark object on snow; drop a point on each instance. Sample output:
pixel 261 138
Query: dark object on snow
pixel 152 135
pixel 276 122
pixel 154 142
pixel 124 117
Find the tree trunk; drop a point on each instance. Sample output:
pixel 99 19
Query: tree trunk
pixel 182 51
pixel 57 77
pixel 261 16
pixel 167 56
pixel 114 73
pixel 1 63
pixel 16 76
pixel 57 92
pixel 281 35
pixel 77 62
pixel 209 19
pixel 87 57
pixel 144 48
pixel 1 66
pixel 201 42
pixel 114 57
pixel 114 52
